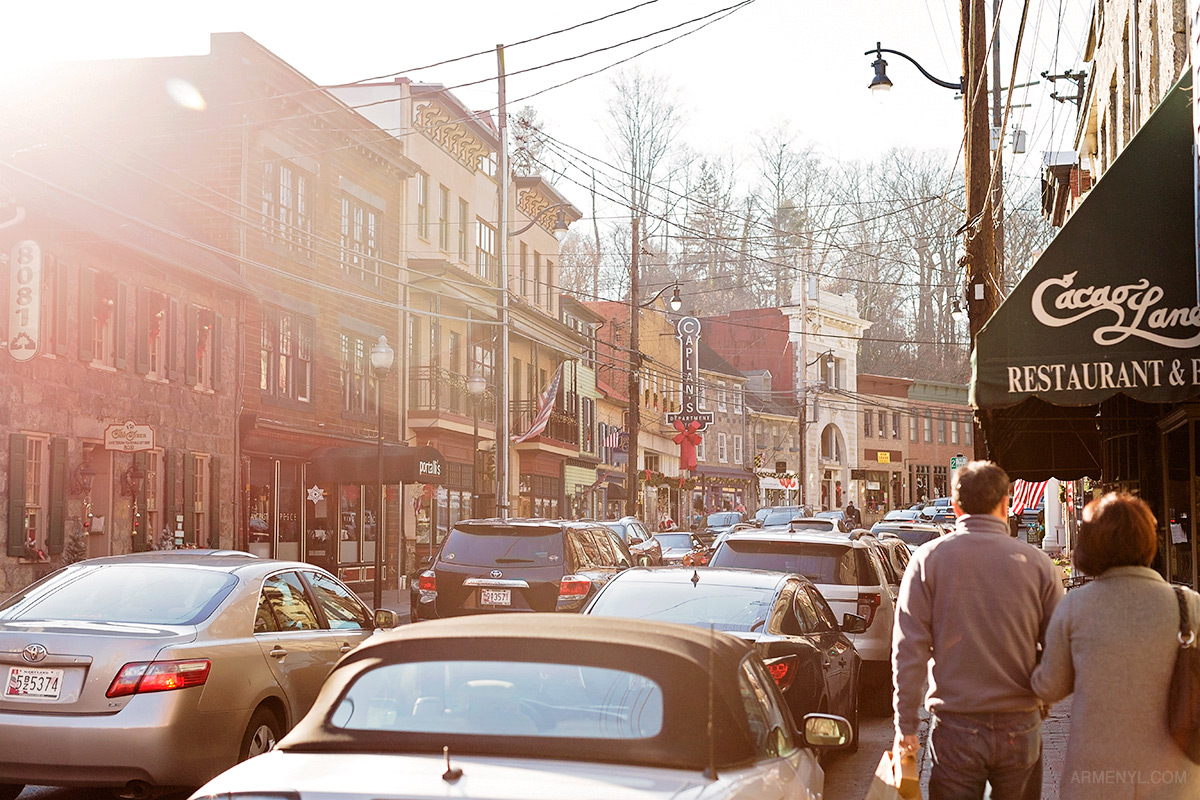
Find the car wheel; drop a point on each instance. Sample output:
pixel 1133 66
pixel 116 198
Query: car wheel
pixel 9 791
pixel 261 734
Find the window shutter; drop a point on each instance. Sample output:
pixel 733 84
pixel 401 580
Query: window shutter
pixel 170 507
pixel 139 519
pixel 16 495
pixel 174 368
pixel 60 307
pixel 215 344
pixel 189 505
pixel 58 496
pixel 189 345
pixel 142 362
pixel 214 501
pixel 87 313
pixel 121 324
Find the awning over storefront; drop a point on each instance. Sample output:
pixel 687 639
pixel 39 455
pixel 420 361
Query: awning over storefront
pixel 1110 307
pixel 721 472
pixel 360 464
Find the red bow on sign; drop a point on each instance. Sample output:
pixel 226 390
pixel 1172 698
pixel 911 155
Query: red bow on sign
pixel 687 439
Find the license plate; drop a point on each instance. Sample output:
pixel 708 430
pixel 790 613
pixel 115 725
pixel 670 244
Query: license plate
pixel 45 684
pixel 495 597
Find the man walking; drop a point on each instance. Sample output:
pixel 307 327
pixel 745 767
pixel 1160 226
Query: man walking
pixel 853 518
pixel 976 602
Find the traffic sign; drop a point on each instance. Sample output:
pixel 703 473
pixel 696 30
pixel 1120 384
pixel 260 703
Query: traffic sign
pixel 958 461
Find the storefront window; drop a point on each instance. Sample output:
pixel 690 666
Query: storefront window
pixel 350 508
pixel 291 495
pixel 260 510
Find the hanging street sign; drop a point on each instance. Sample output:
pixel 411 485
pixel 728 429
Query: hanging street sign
pixel 129 437
pixel 688 333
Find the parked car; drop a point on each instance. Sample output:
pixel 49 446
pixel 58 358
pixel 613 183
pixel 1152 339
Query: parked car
pixel 815 523
pixel 547 706
pixel 677 544
pixel 783 616
pixel 496 565
pixel 760 515
pixel 722 521
pixel 914 534
pixel 898 551
pixel 835 513
pixel 849 575
pixel 782 515
pixel 644 548
pixel 906 515
pixel 155 670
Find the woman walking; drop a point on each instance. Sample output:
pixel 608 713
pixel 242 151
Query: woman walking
pixel 1112 643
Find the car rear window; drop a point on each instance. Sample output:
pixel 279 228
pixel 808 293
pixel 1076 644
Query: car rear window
pixel 724 607
pixel 148 594
pixel 481 546
pixel 914 537
pixel 502 699
pixel 821 563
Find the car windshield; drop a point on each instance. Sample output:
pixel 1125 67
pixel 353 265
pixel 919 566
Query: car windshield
pixel 910 535
pixel 821 563
pixel 502 699
pixel 900 515
pixel 781 516
pixel 723 519
pixel 483 546
pixel 674 541
pixel 726 608
pixel 147 594
pixel 618 528
pixel 829 515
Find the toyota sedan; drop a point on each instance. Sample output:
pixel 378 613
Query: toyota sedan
pixel 145 671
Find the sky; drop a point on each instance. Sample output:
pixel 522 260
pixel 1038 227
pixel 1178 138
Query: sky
pixel 770 62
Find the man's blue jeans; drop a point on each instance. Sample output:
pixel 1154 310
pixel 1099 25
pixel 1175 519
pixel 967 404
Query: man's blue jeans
pixel 970 750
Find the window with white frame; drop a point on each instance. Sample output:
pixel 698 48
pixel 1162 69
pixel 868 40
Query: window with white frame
pixel 537 277
pixel 700 454
pixel 722 453
pixel 37 490
pixel 523 271
pixel 286 355
pixel 422 186
pixel 360 240
pixel 444 218
pixel 200 494
pixel 360 390
pixel 928 424
pixel 103 332
pixel 737 400
pixel 464 230
pixel 737 448
pixel 954 429
pixel 895 424
pixel 485 250
pixel 912 427
pixel 882 424
pixel 205 323
pixel 287 203
pixel 701 395
pixel 721 406
pixel 867 422
pixel 156 345
pixel 941 429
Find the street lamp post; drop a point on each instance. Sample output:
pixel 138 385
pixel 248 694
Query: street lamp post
pixel 803 460
pixel 382 357
pixel 475 387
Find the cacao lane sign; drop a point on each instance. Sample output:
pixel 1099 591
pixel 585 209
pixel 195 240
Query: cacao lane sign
pixel 129 437
pixel 25 300
pixel 688 333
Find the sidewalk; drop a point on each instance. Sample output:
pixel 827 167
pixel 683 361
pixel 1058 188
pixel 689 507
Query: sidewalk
pixel 393 600
pixel 1054 749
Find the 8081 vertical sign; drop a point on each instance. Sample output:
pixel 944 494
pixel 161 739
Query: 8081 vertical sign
pixel 25 300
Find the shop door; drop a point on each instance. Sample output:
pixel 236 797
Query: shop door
pixel 1182 485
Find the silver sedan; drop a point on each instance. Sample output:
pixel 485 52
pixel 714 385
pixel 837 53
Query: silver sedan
pixel 161 670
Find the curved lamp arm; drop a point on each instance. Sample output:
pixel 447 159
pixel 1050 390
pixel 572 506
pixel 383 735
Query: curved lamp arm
pixel 559 224
pixel 676 302
pixel 879 51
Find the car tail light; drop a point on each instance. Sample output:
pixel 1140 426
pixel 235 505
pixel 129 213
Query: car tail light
pixel 868 602
pixel 139 677
pixel 695 559
pixel 783 670
pixel 427 581
pixel 574 586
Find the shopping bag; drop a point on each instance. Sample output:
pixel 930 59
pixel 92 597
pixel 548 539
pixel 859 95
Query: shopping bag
pixel 895 779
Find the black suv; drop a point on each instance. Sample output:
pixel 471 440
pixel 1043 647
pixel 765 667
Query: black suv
pixel 495 565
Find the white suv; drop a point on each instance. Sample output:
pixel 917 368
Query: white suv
pixel 848 574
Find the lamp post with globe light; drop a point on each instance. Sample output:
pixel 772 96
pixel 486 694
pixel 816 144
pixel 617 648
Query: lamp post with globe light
pixel 382 358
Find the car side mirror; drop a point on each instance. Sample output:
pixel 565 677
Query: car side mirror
pixel 853 623
pixel 826 731
pixel 386 619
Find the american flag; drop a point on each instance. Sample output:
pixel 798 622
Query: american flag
pixel 612 439
pixel 1026 494
pixel 545 407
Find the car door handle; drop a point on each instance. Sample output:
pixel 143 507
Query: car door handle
pixel 277 652
pixel 346 647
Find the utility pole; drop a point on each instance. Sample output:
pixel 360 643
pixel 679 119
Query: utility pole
pixel 998 188
pixel 635 394
pixel 501 369
pixel 979 262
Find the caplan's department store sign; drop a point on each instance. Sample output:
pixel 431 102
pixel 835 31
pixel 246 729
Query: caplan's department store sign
pixel 1084 343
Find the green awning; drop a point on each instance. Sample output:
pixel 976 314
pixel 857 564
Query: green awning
pixel 1110 307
